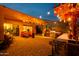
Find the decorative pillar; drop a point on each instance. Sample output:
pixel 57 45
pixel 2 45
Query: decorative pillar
pixel 20 29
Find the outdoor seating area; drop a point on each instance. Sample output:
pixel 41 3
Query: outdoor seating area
pixel 24 31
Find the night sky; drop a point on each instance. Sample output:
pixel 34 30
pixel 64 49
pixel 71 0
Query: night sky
pixel 39 10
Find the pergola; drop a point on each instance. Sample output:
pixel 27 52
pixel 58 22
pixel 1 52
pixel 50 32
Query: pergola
pixel 69 12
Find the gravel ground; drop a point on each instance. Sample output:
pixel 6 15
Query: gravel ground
pixel 38 46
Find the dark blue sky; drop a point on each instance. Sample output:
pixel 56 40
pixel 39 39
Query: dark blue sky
pixel 34 9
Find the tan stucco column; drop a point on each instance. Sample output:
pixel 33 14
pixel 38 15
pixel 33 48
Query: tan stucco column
pixel 1 27
pixel 20 29
pixel 34 28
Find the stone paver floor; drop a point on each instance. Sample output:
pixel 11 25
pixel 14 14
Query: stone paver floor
pixel 38 46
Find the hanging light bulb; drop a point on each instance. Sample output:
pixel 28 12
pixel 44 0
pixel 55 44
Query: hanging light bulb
pixel 60 20
pixel 48 13
pixel 69 19
pixel 64 21
pixel 40 17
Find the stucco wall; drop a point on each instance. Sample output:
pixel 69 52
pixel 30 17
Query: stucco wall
pixel 1 28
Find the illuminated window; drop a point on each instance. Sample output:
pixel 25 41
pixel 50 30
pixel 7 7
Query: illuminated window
pixel 26 28
pixel 8 26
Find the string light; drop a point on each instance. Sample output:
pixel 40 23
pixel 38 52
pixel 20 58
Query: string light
pixel 40 17
pixel 48 13
pixel 69 19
